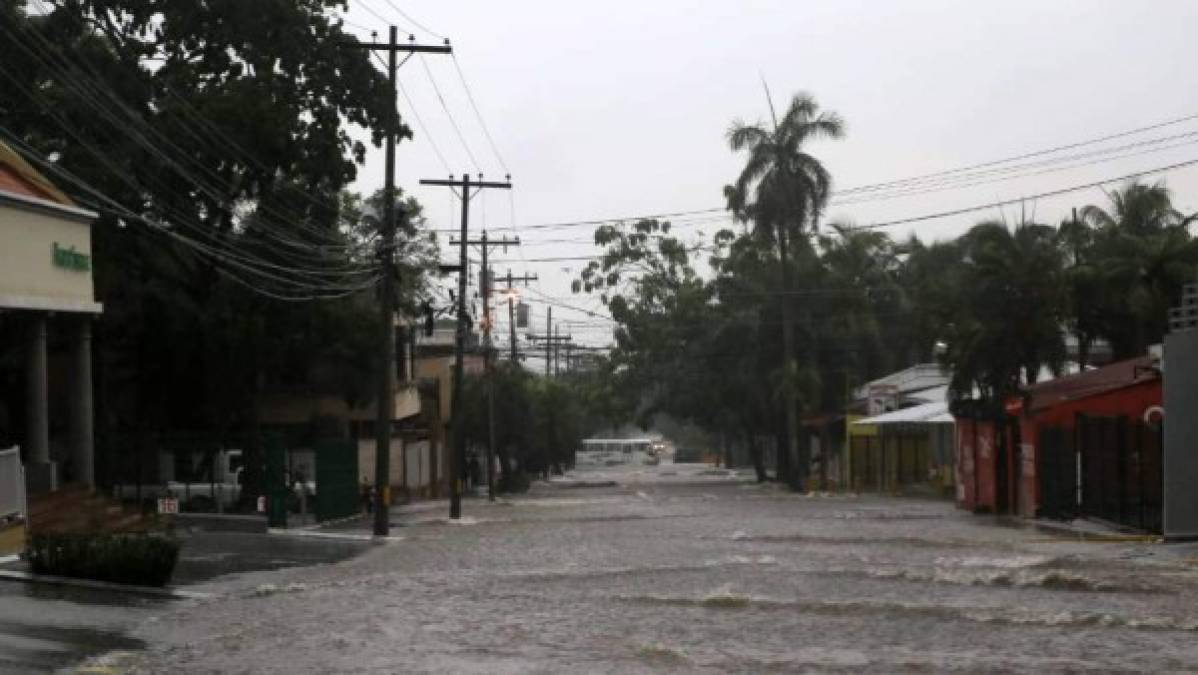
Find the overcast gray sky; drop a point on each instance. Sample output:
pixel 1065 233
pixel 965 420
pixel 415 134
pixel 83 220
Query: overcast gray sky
pixel 620 108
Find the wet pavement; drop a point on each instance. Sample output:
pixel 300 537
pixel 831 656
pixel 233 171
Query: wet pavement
pixel 684 569
pixel 47 627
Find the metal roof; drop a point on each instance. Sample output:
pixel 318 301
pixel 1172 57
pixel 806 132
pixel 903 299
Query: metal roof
pixel 935 412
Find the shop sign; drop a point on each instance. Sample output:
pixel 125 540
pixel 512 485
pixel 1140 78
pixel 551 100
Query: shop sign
pixel 69 258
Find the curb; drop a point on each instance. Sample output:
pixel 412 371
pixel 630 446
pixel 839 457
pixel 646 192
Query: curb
pixel 326 523
pixel 152 591
pixel 342 536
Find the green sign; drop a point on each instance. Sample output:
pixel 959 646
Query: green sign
pixel 69 258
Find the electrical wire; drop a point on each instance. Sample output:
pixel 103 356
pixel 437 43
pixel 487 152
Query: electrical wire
pixel 1040 195
pixel 387 22
pixel 407 17
pixel 478 115
pixel 457 130
pixel 1027 155
pixel 132 125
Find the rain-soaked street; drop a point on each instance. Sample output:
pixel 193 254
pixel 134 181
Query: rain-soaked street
pixel 682 568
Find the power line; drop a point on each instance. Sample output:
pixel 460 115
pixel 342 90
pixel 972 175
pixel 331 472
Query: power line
pixel 413 21
pixel 419 121
pixel 131 124
pixel 479 117
pixel 1040 195
pixel 1021 171
pixel 911 180
pixel 457 130
pixel 1037 153
pixel 386 22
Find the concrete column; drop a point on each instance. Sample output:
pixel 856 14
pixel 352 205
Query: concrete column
pixel 42 474
pixel 82 408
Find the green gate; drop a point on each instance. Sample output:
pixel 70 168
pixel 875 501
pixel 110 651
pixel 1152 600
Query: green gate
pixel 276 481
pixel 336 478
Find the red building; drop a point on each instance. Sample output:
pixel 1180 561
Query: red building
pixel 1079 444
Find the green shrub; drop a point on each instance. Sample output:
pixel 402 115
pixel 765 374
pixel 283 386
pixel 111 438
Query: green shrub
pixel 141 559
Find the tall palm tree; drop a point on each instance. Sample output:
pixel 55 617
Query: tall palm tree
pixel 782 191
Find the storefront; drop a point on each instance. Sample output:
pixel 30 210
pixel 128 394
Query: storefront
pixel 47 305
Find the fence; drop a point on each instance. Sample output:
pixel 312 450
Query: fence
pixel 1121 471
pixel 12 485
pixel 1104 467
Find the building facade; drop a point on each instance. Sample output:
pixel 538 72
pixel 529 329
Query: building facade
pixel 47 305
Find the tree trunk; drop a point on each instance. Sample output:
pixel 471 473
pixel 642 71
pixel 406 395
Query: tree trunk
pixel 781 456
pixel 757 456
pixel 786 471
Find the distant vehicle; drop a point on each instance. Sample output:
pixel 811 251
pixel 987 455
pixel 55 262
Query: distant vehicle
pixel 626 446
pixel 220 491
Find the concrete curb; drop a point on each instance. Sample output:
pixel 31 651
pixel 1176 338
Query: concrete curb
pixel 152 591
pixel 327 523
pixel 1111 535
pixel 343 536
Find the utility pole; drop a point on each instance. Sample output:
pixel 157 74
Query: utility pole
pixel 511 306
pixel 385 403
pixel 458 456
pixel 511 320
pixel 488 348
pixel 551 343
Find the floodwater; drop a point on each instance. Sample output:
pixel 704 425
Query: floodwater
pixel 681 568
pixel 47 627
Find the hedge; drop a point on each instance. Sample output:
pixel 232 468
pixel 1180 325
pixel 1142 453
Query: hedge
pixel 140 559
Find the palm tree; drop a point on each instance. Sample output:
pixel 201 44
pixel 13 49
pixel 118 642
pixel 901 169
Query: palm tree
pixel 1008 324
pixel 1144 255
pixel 782 191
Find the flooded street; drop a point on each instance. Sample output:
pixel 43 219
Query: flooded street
pixel 682 569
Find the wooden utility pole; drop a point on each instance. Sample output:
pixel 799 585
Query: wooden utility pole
pixel 457 459
pixel 552 342
pixel 385 402
pixel 488 348
pixel 511 319
pixel 511 281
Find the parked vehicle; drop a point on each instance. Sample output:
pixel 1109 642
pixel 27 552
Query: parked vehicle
pixel 219 490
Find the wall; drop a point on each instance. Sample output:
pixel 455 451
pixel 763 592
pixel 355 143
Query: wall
pixel 975 465
pixel 366 461
pixel 1181 436
pixel 1130 401
pixel 28 276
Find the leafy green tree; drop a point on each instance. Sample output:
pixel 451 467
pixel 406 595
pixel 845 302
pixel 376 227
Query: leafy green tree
pixel 227 121
pixel 1142 255
pixel 1007 321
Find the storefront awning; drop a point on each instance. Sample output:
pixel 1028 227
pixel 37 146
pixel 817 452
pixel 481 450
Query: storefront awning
pixel 927 413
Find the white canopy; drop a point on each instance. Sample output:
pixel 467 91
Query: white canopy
pixel 935 412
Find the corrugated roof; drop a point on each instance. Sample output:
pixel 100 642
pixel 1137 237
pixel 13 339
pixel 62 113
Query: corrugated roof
pixel 935 412
pixel 1091 382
